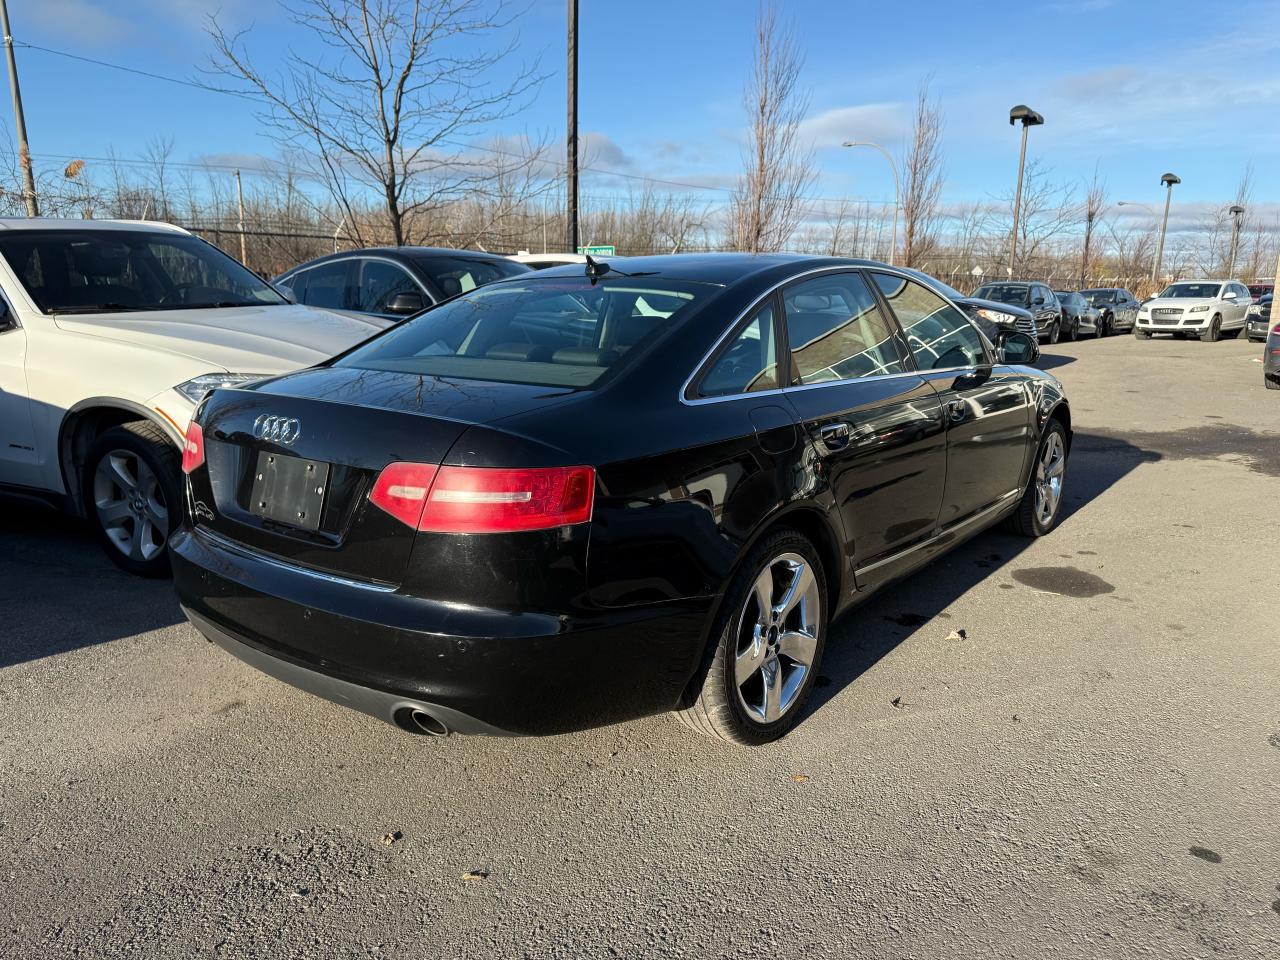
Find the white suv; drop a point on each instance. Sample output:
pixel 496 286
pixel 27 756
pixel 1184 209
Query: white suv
pixel 111 332
pixel 1197 308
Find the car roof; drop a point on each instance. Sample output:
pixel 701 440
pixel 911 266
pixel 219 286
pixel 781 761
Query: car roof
pixel 60 223
pixel 721 268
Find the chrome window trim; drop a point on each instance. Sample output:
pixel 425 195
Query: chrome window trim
pixel 698 368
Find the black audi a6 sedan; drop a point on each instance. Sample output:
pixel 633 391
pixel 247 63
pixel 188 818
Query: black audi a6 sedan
pixel 595 493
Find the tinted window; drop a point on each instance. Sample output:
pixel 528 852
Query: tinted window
pixel 1191 291
pixel 750 362
pixel 836 331
pixel 940 336
pixel 326 285
pixel 381 282
pixel 455 275
pixel 559 332
pixel 1015 293
pixel 92 271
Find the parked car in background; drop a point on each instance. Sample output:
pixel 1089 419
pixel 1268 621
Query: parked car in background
pixel 1116 305
pixel 545 508
pixel 541 261
pixel 1079 317
pixel 1204 309
pixel 1257 323
pixel 111 332
pixel 1259 290
pixel 393 282
pixel 1036 298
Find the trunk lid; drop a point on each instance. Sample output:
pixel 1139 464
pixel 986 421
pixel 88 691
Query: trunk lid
pixel 289 463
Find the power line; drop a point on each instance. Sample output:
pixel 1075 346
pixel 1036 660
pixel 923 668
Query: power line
pixel 207 88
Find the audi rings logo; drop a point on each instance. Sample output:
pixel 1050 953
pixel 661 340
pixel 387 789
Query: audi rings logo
pixel 282 430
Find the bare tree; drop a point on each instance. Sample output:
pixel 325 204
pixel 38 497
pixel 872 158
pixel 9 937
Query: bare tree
pixel 767 205
pixel 1095 201
pixel 381 114
pixel 923 176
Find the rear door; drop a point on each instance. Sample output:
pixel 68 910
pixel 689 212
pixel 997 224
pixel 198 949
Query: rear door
pixel 876 426
pixel 987 407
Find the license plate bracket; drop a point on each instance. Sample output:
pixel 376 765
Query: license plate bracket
pixel 289 490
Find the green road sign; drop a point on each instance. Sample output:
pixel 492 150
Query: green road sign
pixel 600 250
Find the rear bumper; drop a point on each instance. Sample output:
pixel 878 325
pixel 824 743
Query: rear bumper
pixel 476 670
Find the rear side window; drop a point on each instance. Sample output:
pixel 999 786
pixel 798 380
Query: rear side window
pixel 455 275
pixel 326 285
pixel 749 363
pixel 836 331
pixel 939 335
pixel 563 332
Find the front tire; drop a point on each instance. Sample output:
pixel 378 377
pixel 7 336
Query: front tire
pixel 1072 333
pixel 1041 502
pixel 1214 332
pixel 133 496
pixel 1141 334
pixel 766 645
pixel 1055 331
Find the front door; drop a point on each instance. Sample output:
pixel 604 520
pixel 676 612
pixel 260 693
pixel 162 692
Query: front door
pixel 876 428
pixel 18 460
pixel 988 408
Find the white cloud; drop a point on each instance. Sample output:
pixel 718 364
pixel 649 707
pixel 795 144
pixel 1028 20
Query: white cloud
pixel 83 21
pixel 884 123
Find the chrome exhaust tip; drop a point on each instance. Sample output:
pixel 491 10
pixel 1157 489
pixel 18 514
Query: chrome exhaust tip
pixel 417 720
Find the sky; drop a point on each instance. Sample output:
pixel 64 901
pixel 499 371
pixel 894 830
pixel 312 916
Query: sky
pixel 1131 88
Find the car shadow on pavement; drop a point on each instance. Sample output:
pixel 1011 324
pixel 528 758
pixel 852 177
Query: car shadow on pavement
pixel 1050 361
pixel 860 638
pixel 60 592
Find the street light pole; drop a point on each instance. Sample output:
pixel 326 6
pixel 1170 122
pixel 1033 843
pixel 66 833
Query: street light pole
pixel 571 181
pixel 897 191
pixel 1168 180
pixel 19 120
pixel 1029 118
pixel 1237 212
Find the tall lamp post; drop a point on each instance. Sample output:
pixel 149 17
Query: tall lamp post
pixel 897 190
pixel 1169 179
pixel 1029 118
pixel 571 166
pixel 1237 212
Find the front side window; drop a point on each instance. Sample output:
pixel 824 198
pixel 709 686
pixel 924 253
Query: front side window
pixel 326 285
pixel 107 271
pixel 563 332
pixel 455 275
pixel 836 330
pixel 380 283
pixel 749 363
pixel 940 336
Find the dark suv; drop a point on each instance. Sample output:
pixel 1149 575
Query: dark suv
pixel 1036 297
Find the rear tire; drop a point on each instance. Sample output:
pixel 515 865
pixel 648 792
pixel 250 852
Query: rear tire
pixel 766 645
pixel 1271 384
pixel 1041 502
pixel 133 496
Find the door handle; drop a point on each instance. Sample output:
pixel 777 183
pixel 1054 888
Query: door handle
pixel 834 436
pixel 956 410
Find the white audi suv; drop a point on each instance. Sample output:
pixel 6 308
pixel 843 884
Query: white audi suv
pixel 1204 309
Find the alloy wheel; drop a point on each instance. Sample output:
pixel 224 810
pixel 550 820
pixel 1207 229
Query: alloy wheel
pixel 130 505
pixel 777 638
pixel 1049 474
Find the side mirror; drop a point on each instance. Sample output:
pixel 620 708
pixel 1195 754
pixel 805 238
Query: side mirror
pixel 286 291
pixel 1016 347
pixel 1038 301
pixel 403 304
pixel 7 319
pixel 1229 295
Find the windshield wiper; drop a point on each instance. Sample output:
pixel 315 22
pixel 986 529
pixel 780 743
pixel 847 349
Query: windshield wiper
pixel 216 304
pixel 97 308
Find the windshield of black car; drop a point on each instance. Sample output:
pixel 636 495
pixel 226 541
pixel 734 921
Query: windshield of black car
pixel 100 271
pixel 1096 297
pixel 1190 291
pixel 561 331
pixel 1016 293
pixel 455 275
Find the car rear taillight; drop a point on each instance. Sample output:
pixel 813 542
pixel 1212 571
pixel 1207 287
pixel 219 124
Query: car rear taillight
pixel 401 489
pixel 484 499
pixel 192 447
pixel 1276 328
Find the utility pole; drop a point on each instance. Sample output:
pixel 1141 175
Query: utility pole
pixel 19 121
pixel 1029 118
pixel 1168 180
pixel 571 182
pixel 240 224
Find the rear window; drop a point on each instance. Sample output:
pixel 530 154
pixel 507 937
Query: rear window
pixel 561 332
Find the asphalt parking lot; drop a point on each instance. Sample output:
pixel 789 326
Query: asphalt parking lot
pixel 1092 770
